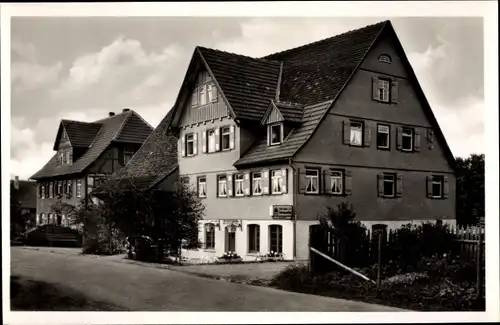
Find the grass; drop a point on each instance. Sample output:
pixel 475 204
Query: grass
pixel 30 295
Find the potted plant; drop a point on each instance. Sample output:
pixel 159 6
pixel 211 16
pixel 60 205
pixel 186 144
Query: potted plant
pixel 274 256
pixel 230 257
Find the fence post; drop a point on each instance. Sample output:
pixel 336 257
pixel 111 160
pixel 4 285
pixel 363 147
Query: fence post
pixel 479 269
pixel 379 257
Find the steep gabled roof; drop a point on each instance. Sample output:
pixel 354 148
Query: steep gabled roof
pixel 155 160
pixel 80 134
pixel 111 129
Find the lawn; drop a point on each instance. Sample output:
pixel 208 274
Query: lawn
pixel 30 295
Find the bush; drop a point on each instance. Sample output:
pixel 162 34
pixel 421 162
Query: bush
pixel 293 277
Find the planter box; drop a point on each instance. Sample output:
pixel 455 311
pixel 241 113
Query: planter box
pixel 230 260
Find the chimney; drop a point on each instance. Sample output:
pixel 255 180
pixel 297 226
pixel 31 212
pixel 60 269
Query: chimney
pixel 111 113
pixel 125 110
pixel 16 182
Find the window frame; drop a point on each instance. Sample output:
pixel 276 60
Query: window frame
pixel 307 177
pixel 212 232
pixel 228 134
pixel 51 190
pixel 202 95
pixel 382 57
pixel 127 152
pixel 394 179
pixel 208 140
pixel 280 128
pixel 238 181
pixel 380 83
pixel 219 181
pixel 187 144
pixel 279 180
pixel 253 184
pixel 279 238
pixel 351 130
pixel 255 239
pixel 342 181
pixel 78 188
pixel 441 186
pixel 388 147
pixel 199 182
pixel 412 138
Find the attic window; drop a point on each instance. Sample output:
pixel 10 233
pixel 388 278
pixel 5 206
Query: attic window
pixel 275 133
pixel 385 58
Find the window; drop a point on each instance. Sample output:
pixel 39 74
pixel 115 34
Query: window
pixel 253 238
pixel 437 186
pixel 312 181
pixel 61 158
pixel 68 187
pixel 226 137
pixel 203 98
pixel 42 189
pixel 211 140
pixel 385 58
pixel 59 187
pixel 383 90
pixel 79 188
pixel 389 185
pixel 68 157
pixel 407 139
pixel 336 178
pixel 51 190
pixel 209 236
pixel 356 133
pixel 209 93
pixel 276 181
pixel 257 183
pixel 276 238
pixel 238 185
pixel 127 155
pixel 276 136
pixel 202 186
pixel 383 136
pixel 190 144
pixel 222 181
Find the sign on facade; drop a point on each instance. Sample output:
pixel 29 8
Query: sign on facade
pixel 282 212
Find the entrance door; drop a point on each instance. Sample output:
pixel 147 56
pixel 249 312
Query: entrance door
pixel 230 240
pixel 59 220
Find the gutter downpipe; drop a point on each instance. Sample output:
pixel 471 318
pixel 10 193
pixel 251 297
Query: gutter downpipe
pixel 294 215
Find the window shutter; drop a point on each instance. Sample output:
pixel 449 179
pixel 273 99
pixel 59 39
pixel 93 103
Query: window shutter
pixel 347 132
pixel 367 134
pixel 284 175
pixel 204 141
pixel 429 186
pixel 399 185
pixel 374 88
pixel 302 181
pixel 380 184
pixel 70 187
pixel 399 138
pixel 246 184
pixel 195 144
pixel 214 93
pixel 446 187
pixel 325 183
pixel 430 138
pixel 268 135
pixel 348 183
pixel 64 187
pixel 231 137
pixel 416 140
pixel 229 185
pixel 265 181
pixel 217 139
pixel 183 145
pixel 394 92
pixel 194 97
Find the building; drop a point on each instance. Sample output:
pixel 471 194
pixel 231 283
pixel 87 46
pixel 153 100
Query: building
pixel 24 193
pixel 268 143
pixel 86 154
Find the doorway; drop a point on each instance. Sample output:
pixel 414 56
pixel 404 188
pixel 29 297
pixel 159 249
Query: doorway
pixel 230 234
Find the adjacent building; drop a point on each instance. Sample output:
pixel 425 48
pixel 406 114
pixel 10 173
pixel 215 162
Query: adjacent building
pixel 269 143
pixel 86 154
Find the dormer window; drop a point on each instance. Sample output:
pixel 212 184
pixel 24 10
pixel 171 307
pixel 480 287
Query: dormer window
pixel 385 58
pixel 275 134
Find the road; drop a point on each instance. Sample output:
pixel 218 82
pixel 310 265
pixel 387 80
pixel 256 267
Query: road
pixel 145 288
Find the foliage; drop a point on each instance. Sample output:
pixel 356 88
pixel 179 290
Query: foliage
pixel 168 218
pixel 470 189
pixel 274 254
pixel 293 277
pixel 19 219
pixel 228 256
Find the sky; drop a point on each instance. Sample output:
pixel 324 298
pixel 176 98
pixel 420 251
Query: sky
pixel 81 68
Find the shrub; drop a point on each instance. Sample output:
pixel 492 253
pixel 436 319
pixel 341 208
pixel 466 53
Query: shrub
pixel 406 279
pixel 230 256
pixel 293 277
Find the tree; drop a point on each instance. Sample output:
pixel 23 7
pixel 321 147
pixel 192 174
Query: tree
pixel 470 189
pixel 18 218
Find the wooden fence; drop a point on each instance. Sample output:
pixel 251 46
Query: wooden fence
pixel 470 239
